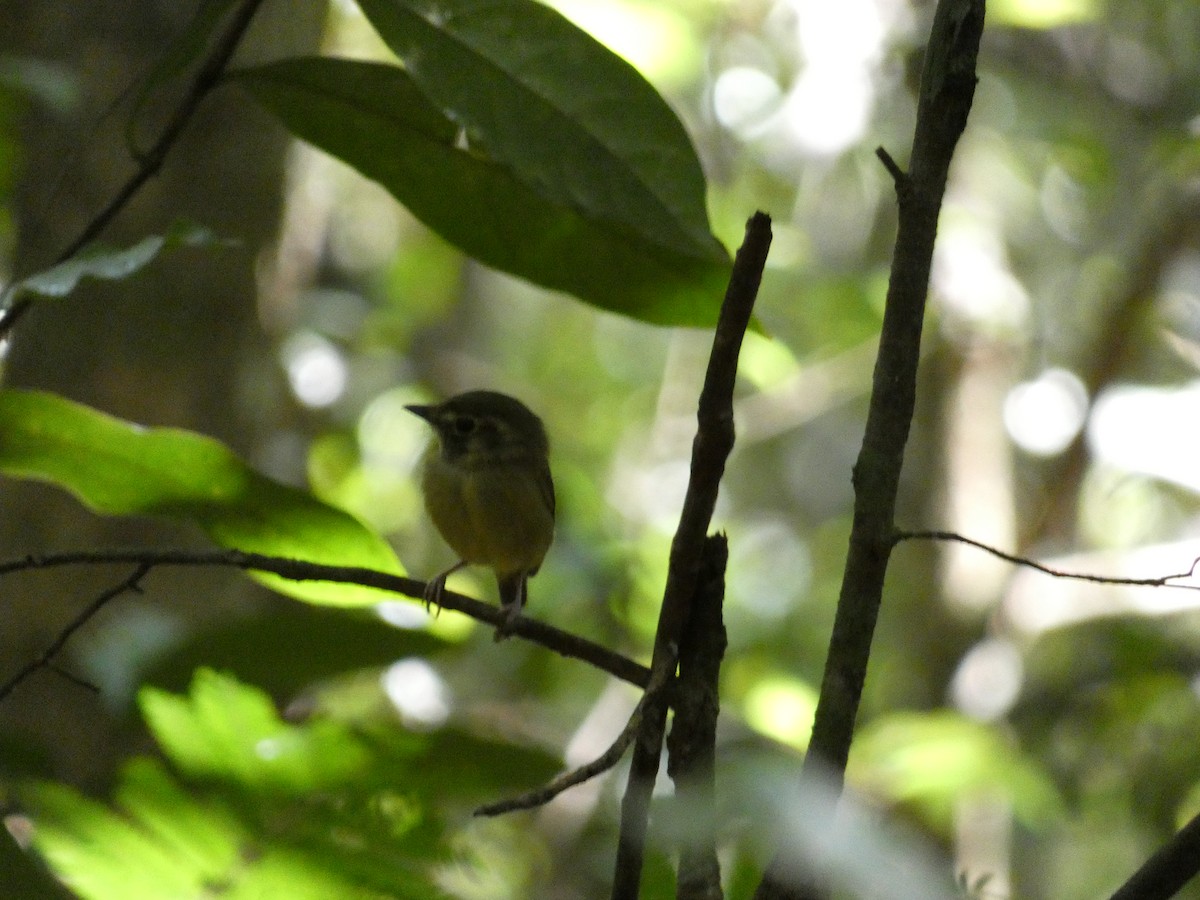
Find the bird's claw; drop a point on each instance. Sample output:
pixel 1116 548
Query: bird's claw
pixel 433 595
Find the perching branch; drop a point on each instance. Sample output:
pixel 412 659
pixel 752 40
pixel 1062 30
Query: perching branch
pixel 561 642
pixel 946 92
pixel 207 77
pixel 710 448
pixel 694 733
pixel 1168 870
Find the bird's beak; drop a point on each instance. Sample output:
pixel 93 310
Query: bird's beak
pixel 425 412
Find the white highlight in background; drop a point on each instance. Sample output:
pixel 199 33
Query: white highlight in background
pixel 418 693
pixel 1044 416
pixel 1149 430
pixel 315 369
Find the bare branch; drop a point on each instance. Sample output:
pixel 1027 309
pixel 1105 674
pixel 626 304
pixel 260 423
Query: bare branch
pixel 73 678
pixel 1158 581
pixel 692 743
pixel 1168 870
pixel 601 764
pixel 562 642
pixel 132 583
pixel 711 447
pixel 898 176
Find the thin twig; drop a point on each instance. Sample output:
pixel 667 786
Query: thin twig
pixel 899 176
pixel 1159 581
pixel 562 642
pixel 207 77
pixel 73 678
pixel 710 449
pixel 85 615
pixel 601 764
pixel 598 766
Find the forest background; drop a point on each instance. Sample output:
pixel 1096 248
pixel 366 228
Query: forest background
pixel 1035 730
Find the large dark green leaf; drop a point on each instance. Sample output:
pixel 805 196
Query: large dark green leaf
pixel 629 250
pixel 545 99
pixel 118 468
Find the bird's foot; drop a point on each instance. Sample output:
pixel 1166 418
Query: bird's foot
pixel 433 594
pixel 508 619
pixel 437 586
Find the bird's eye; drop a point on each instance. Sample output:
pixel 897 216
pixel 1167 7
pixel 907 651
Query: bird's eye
pixel 463 425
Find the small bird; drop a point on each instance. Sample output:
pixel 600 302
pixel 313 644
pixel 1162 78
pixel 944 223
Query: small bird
pixel 488 490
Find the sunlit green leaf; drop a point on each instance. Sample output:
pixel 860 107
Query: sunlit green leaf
pixel 508 215
pixel 249 805
pixel 118 468
pixel 228 729
pixel 1043 13
pixel 113 264
pixel 164 840
pixel 103 854
pixel 934 759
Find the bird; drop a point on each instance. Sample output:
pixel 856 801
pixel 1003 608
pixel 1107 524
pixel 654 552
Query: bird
pixel 488 490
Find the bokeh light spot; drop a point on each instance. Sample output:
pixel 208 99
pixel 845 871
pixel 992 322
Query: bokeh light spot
pixel 988 679
pixel 315 369
pixel 782 708
pixel 418 692
pixel 1044 415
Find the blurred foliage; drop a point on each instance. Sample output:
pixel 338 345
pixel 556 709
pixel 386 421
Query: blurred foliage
pixel 120 469
pixel 1041 733
pixel 248 805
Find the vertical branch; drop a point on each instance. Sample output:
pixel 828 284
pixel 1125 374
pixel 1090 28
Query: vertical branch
pixel 710 449
pixel 946 92
pixel 691 745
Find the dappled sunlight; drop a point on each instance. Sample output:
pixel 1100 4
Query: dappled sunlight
pixel 661 41
pixel 781 708
pixel 1039 728
pixel 988 679
pixel 418 692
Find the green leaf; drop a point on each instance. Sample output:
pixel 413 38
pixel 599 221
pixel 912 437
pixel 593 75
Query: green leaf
pixel 101 854
pixel 165 840
pixel 544 98
pixel 118 468
pixel 111 264
pixel 615 244
pixel 230 730
pixel 253 807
